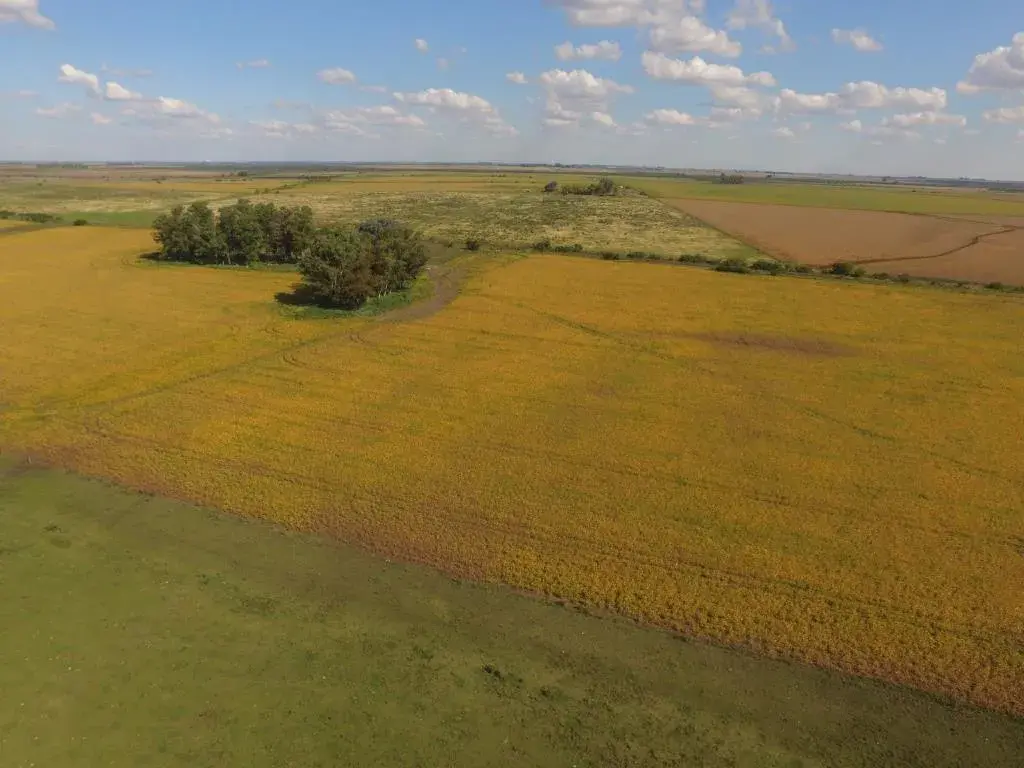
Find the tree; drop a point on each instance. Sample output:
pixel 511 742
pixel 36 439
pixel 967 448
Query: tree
pixel 606 186
pixel 243 235
pixel 296 232
pixel 169 233
pixel 397 253
pixel 336 268
pixel 204 241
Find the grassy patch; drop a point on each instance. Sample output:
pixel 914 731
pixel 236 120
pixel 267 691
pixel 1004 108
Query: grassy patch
pixel 149 632
pixel 518 220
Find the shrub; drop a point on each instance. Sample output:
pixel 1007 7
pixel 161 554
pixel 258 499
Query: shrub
pixel 472 245
pixel 903 278
pixel 803 269
pixel 80 222
pixel 880 276
pixel 610 255
pixel 767 265
pixel 542 245
pixel 551 186
pixel 738 266
pixel 846 269
pixel 574 248
pixel 997 286
pixel 693 258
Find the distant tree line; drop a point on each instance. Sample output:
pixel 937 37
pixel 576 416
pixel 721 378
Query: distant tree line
pixel 340 266
pixel 34 218
pixel 732 178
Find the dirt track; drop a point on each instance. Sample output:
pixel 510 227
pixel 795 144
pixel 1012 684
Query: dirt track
pixel 975 248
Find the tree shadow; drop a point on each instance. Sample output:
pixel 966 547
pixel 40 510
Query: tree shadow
pixel 301 295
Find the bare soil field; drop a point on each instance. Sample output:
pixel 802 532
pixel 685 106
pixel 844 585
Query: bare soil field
pixel 975 248
pixel 999 258
pixel 825 236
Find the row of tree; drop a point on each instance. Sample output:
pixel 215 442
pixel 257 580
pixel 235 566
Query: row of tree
pixel 340 266
pixel 242 233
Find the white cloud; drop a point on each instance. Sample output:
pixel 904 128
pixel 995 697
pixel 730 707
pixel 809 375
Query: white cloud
pixel 279 129
pixel 116 92
pixel 99 119
pixel 858 38
pixel 447 99
pixel 925 118
pixel 59 112
pixel 759 14
pixel 579 84
pixel 863 95
pixel 691 35
pixel 1005 115
pixel 516 77
pixel 421 45
pixel 75 76
pixel 732 114
pixel 573 95
pixel 696 71
pixel 1020 135
pixel 669 117
pixel 1000 69
pixel 254 64
pixel 625 13
pixel 177 108
pixel 336 76
pixel 605 49
pixel 854 126
pixel 603 118
pixel 784 133
pixel 373 88
pixel 24 11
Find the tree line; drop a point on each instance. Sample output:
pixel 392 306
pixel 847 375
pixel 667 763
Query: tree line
pixel 341 266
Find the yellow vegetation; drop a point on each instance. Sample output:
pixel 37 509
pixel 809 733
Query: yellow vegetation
pixel 819 470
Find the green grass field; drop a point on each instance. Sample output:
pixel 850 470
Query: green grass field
pixel 853 196
pixel 145 632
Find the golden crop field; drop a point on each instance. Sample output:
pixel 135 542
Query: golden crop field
pixel 824 471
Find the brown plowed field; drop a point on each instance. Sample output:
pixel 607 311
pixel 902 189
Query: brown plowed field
pixel 889 242
pixel 998 258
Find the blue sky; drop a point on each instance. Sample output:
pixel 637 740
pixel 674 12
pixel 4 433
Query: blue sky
pixel 877 86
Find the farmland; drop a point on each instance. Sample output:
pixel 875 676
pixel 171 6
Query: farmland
pixel 150 632
pixel 973 237
pixel 801 468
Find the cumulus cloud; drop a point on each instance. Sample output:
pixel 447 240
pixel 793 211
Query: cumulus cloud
pixel 572 95
pixel 603 118
pixel 516 77
pixel 853 126
pixel 59 112
pixel 421 45
pixel 858 38
pixel 691 35
pixel 116 92
pixel 1005 115
pixel 279 129
pixel 784 133
pixel 176 108
pixel 669 117
pixel 25 12
pixel 625 13
pixel 447 99
pixel 1000 69
pixel 759 14
pixel 336 76
pixel 925 118
pixel 605 49
pixel 75 76
pixel 254 64
pixel 99 119
pixel 863 95
pixel 697 71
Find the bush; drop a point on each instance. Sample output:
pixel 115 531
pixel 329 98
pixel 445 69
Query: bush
pixel 574 248
pixel 551 186
pixel 768 265
pixel 803 269
pixel 846 269
pixel 542 245
pixel 610 255
pixel 995 286
pixel 737 266
pixel 80 222
pixel 880 276
pixel 472 245
pixel 693 258
pixel 903 278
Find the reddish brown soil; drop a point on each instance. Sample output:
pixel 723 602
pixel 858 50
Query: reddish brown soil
pixel 998 258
